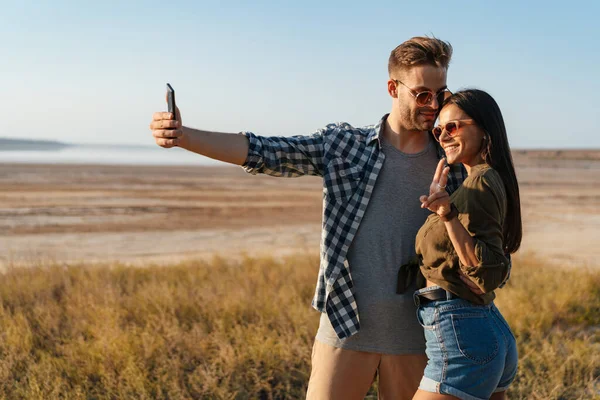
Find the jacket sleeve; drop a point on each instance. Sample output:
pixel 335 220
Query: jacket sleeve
pixel 286 156
pixel 483 217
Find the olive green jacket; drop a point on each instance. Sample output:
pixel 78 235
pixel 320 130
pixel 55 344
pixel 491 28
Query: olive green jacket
pixel 481 202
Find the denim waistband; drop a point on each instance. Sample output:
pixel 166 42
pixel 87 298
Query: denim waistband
pixel 452 304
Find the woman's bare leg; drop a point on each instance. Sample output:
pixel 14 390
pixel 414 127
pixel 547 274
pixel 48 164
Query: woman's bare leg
pixel 423 395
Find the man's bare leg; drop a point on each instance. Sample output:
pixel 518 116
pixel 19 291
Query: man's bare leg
pixel 340 374
pixel 399 375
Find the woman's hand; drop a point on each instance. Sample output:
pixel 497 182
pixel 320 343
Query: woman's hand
pixel 470 284
pixel 438 200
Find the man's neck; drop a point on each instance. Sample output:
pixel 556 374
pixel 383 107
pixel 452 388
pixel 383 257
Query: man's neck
pixel 407 141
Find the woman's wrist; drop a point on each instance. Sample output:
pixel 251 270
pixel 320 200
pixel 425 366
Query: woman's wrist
pixel 449 216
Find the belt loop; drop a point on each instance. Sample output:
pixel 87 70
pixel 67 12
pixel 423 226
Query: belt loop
pixel 448 295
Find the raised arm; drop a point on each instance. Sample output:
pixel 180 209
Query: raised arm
pixel 277 156
pixel 477 238
pixel 168 132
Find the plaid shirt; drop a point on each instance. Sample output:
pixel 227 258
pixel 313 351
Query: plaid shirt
pixel 349 160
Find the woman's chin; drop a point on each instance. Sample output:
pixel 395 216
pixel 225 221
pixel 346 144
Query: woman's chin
pixel 451 160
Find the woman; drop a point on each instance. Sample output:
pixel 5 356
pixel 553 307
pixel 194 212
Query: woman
pixel 472 352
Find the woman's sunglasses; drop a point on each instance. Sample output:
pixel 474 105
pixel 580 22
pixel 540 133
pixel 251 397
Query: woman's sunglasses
pixel 450 127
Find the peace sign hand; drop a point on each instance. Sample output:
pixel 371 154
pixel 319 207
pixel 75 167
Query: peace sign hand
pixel 438 200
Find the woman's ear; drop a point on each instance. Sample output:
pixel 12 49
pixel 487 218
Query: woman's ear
pixel 485 147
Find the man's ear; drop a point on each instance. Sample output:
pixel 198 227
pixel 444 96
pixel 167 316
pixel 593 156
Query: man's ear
pixel 392 88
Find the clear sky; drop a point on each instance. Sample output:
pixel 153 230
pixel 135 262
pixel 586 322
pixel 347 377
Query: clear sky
pixel 94 72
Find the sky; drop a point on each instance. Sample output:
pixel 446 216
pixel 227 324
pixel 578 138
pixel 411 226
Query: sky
pixel 95 72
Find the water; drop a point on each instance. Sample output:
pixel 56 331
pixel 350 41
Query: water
pixel 99 154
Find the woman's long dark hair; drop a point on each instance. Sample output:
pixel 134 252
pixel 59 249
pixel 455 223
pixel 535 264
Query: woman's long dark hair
pixel 482 108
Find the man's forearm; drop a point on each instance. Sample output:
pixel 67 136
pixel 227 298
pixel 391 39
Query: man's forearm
pixel 228 147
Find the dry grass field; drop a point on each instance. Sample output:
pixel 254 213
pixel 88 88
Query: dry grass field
pixel 243 330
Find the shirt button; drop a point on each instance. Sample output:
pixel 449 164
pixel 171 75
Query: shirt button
pixel 342 173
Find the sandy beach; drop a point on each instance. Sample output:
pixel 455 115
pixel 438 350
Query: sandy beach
pixel 154 214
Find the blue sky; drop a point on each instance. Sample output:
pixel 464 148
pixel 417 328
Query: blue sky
pixel 94 72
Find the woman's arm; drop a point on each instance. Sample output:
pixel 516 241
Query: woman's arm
pixel 463 242
pixel 477 235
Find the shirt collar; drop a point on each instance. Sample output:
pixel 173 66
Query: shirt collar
pixel 479 167
pixel 374 134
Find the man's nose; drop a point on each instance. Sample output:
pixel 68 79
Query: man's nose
pixel 434 103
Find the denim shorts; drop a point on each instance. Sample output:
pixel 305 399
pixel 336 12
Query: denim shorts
pixel 471 350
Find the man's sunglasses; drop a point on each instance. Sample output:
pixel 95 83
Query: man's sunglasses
pixel 425 98
pixel 450 127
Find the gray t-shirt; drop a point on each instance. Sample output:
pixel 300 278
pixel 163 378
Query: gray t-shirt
pixel 384 241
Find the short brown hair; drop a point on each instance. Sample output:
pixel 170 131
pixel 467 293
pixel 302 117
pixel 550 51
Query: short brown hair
pixel 420 50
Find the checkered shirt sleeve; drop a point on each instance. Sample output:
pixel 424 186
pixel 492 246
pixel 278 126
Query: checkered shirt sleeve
pixel 286 156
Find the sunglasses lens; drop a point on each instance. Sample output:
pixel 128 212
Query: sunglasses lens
pixel 443 96
pixel 437 132
pixel 423 98
pixel 451 128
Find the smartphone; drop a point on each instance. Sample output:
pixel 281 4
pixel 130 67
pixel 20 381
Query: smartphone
pixel 171 100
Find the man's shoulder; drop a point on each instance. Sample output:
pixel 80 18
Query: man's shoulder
pixel 342 139
pixel 337 131
pixel 336 128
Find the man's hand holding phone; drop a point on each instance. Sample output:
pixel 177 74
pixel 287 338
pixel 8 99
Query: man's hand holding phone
pixel 168 131
pixel 166 127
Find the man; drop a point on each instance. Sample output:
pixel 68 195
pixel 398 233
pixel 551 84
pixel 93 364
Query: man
pixel 372 180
